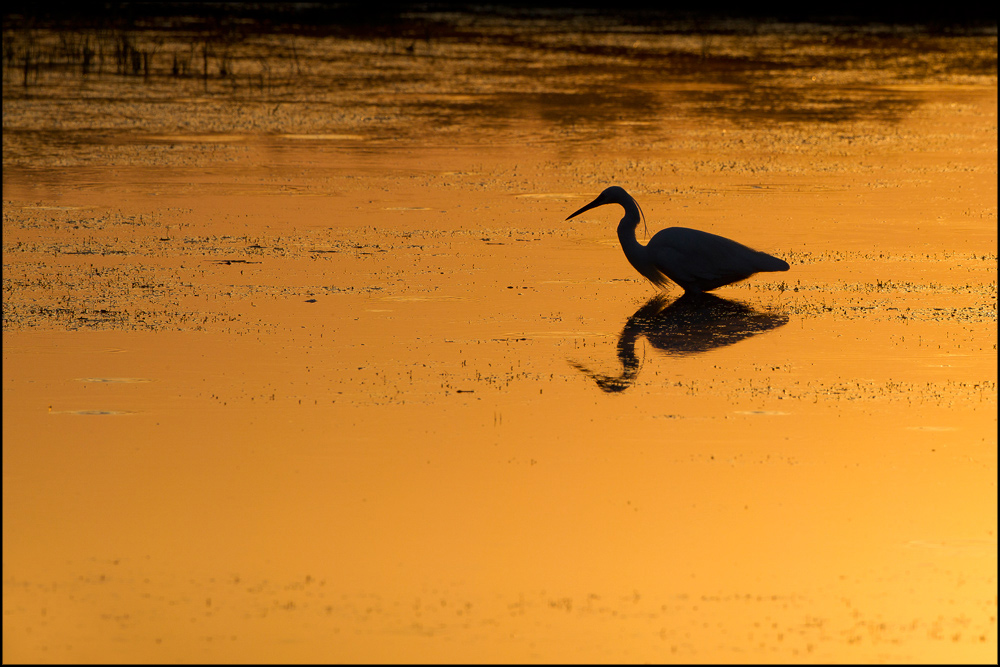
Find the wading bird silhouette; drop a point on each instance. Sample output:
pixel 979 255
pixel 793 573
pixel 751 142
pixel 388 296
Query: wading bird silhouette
pixel 695 260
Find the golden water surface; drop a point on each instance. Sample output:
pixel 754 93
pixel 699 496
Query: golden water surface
pixel 302 362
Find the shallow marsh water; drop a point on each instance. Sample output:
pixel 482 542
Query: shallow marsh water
pixel 302 362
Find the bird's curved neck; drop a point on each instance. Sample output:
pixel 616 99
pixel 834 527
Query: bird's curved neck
pixel 626 228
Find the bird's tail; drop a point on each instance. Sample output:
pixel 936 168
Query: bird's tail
pixel 769 263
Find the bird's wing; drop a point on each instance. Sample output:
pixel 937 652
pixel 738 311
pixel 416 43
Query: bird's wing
pixel 693 258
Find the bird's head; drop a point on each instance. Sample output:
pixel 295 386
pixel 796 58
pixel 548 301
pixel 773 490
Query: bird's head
pixel 612 195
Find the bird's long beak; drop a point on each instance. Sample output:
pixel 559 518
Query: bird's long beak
pixel 594 204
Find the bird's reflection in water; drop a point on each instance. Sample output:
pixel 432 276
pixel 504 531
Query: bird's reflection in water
pixel 692 324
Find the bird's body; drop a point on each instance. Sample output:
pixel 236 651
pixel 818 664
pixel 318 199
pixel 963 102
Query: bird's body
pixel 695 260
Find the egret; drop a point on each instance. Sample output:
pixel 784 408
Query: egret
pixel 695 260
